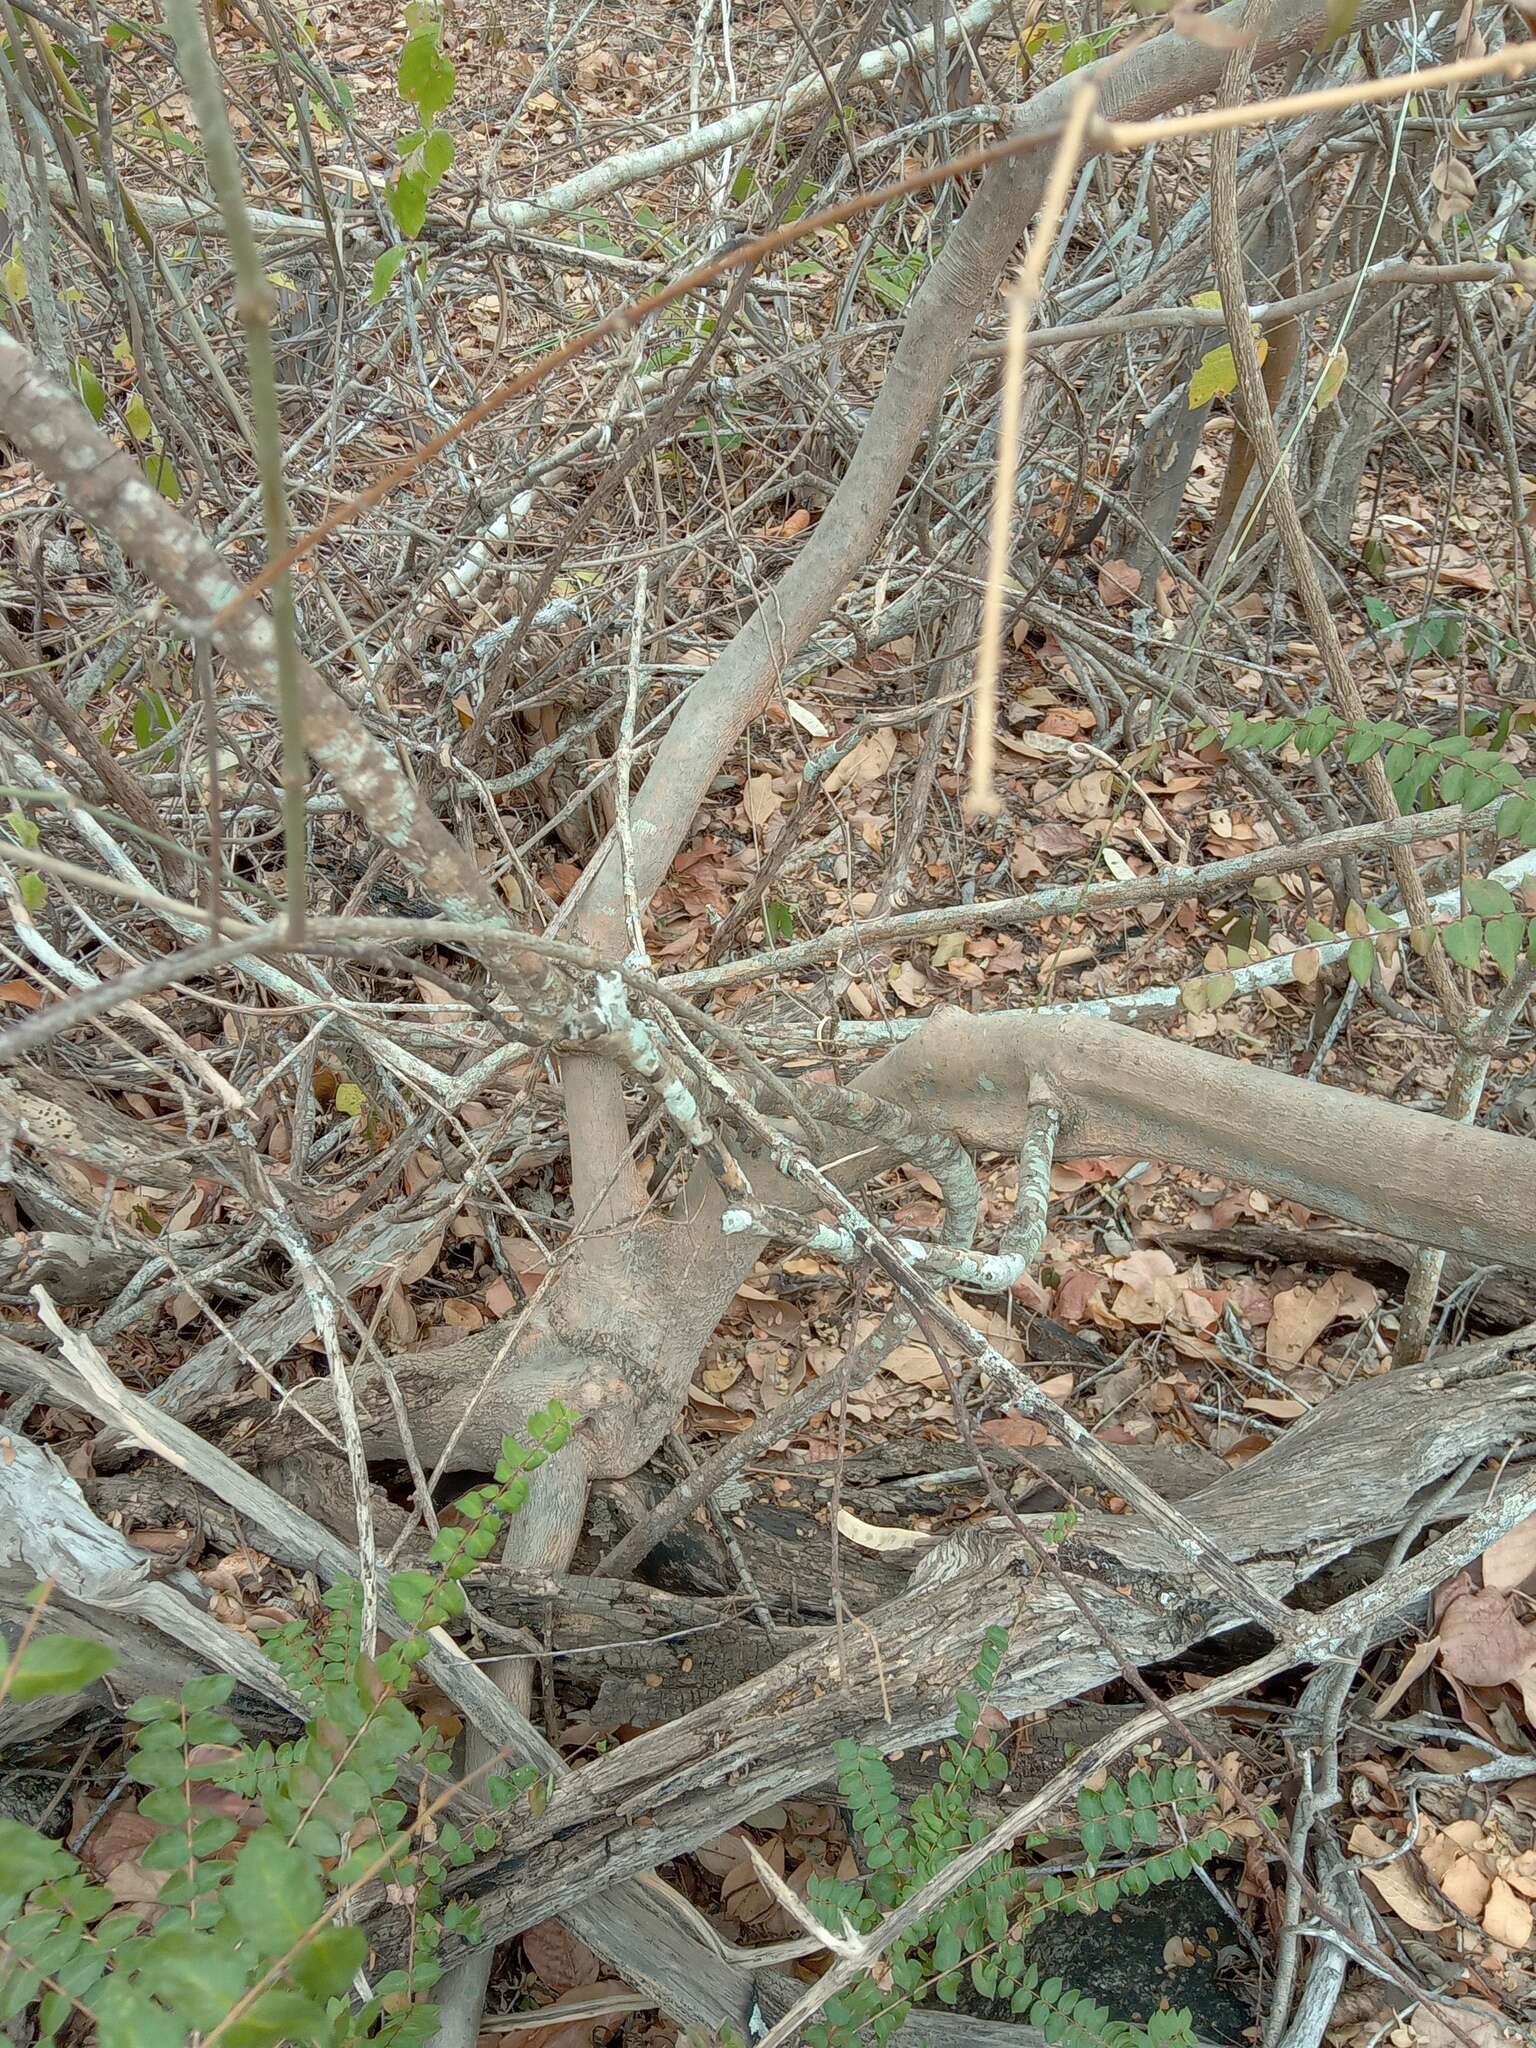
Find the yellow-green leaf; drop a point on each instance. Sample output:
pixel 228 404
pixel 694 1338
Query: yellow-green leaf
pixel 350 1099
pixel 1362 958
pixel 1209 302
pixel 137 420
pixel 14 273
pixel 88 389
pixel 1216 374
pixel 1331 382
pixel 161 472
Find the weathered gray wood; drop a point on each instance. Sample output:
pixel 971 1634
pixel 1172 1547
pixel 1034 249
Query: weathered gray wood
pixel 1350 1472
pixel 932 2027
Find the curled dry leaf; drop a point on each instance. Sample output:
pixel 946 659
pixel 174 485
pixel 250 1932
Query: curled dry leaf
pixel 1482 1640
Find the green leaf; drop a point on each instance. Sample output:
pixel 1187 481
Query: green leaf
pixel 1215 376
pixel 409 1590
pixel 408 203
pixel 437 155
pixel 425 76
pixel 778 920
pixel 137 420
pixel 1503 937
pixel 277 2016
pixel 59 1664
pixel 1463 941
pixel 1362 960
pixel 152 720
pixel 385 269
pixel 28 1859
pixel 274 1895
pixel 1488 898
pixel 196 1975
pixel 126 2018
pixel 326 1966
pixel 87 388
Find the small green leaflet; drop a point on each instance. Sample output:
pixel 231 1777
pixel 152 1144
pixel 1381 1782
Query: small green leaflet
pixel 1362 959
pixel 275 1893
pixel 350 1099
pixel 409 1589
pixel 137 420
pixel 1488 898
pixel 778 920
pixel 161 472
pixel 34 890
pixel 152 720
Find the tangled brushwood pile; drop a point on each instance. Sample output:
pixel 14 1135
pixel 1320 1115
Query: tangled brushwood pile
pixel 770 872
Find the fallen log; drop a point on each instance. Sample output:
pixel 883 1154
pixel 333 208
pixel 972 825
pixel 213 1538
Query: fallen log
pixel 1352 1471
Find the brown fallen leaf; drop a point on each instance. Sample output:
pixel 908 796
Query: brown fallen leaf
pixel 1397 1884
pixel 1467 1885
pixel 1301 1315
pixel 1512 1560
pixel 1482 1641
pixel 589 2028
pixel 1118 583
pixel 557 1958
pixel 1506 1916
pixel 1459 2021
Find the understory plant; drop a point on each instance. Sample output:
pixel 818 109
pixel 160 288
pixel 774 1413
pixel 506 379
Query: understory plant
pixel 270 1853
pixel 1127 1838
